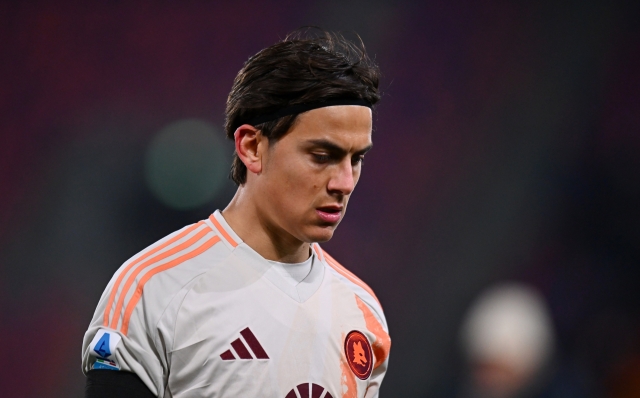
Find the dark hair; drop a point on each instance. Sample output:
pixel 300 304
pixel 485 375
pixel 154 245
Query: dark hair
pixel 303 68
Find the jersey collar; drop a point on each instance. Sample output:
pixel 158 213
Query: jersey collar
pixel 302 292
pixel 230 238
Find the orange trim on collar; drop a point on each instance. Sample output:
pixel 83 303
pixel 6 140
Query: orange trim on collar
pixel 224 233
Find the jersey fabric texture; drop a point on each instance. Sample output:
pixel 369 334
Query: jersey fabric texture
pixel 201 314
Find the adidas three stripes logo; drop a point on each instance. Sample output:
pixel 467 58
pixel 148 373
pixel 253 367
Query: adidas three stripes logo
pixel 240 348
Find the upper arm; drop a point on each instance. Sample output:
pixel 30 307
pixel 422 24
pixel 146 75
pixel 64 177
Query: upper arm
pixel 109 348
pixel 112 352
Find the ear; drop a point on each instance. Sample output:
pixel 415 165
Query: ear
pixel 248 142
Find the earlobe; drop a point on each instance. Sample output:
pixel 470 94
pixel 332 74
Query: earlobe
pixel 247 140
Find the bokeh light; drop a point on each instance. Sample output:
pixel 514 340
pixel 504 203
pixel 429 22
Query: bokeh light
pixel 186 164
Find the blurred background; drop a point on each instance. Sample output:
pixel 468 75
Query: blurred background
pixel 497 217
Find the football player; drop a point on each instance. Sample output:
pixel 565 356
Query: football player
pixel 246 303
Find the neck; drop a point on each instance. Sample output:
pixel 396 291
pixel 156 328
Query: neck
pixel 256 230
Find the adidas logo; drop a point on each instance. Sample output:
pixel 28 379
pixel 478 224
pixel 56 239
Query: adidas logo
pixel 240 348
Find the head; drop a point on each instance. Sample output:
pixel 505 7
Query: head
pixel 300 169
pixel 507 339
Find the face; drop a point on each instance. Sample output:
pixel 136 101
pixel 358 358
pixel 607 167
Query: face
pixel 309 174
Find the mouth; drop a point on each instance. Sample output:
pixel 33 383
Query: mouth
pixel 330 214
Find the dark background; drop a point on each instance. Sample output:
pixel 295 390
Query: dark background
pixel 507 147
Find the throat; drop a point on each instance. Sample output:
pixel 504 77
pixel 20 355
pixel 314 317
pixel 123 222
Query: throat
pixel 261 233
pixel 294 273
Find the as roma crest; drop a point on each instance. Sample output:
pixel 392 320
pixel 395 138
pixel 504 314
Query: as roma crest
pixel 359 356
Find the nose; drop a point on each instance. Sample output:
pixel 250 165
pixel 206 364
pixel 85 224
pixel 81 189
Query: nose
pixel 344 178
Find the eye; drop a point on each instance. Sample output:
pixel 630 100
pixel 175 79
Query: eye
pixel 321 157
pixel 358 159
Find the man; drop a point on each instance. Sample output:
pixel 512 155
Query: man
pixel 246 303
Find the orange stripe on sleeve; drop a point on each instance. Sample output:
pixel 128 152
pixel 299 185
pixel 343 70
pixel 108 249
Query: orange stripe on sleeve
pixel 184 245
pixel 318 251
pixel 116 285
pixel 138 292
pixel 350 276
pixel 382 345
pixel 223 231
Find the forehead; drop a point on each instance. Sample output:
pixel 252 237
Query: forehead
pixel 346 125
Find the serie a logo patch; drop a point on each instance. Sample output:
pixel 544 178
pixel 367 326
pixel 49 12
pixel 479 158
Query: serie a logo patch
pixel 359 355
pixel 103 346
pixel 101 363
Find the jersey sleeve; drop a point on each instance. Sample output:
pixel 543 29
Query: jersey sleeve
pixel 132 330
pixel 135 351
pixel 377 325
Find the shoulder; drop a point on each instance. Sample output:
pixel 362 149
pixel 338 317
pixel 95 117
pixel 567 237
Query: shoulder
pixel 354 283
pixel 159 272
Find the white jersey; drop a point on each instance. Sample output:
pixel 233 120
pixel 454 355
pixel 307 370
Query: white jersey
pixel 201 314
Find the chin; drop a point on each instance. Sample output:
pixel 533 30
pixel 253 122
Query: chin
pixel 323 234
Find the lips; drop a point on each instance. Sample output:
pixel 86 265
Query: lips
pixel 329 214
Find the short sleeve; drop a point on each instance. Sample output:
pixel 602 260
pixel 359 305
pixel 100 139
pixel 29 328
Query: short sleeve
pixel 381 345
pixel 108 348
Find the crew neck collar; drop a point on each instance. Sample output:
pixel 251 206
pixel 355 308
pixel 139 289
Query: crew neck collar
pixel 301 292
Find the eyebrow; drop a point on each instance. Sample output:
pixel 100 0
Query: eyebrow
pixel 332 147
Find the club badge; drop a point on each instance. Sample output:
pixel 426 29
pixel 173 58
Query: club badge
pixel 359 356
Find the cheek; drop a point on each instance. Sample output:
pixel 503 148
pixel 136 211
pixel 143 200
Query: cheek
pixel 294 183
pixel 303 184
pixel 305 194
pixel 297 172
